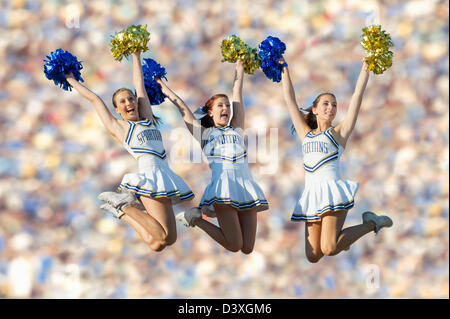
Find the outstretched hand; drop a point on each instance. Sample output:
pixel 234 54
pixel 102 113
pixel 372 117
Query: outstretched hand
pixel 163 86
pixel 281 60
pixel 365 65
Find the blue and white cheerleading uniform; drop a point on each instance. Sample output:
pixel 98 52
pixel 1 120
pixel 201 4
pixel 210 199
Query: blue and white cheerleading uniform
pixel 231 182
pixel 155 179
pixel 324 190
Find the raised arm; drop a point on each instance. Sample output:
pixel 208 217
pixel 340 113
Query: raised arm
pixel 238 107
pixel 186 113
pixel 144 106
pixel 345 128
pixel 301 127
pixel 112 125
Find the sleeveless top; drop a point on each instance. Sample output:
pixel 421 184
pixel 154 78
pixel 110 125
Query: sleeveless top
pixel 224 145
pixel 144 142
pixel 321 154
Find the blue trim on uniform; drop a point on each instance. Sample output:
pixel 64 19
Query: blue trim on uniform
pixel 326 209
pixel 143 191
pixel 228 158
pixel 323 161
pixel 235 204
pixel 139 150
pixel 144 122
pixel 331 138
pixel 310 135
pixel 130 132
pixel 223 128
pixel 151 153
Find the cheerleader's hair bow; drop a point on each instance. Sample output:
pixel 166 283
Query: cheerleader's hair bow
pixel 306 110
pixel 201 112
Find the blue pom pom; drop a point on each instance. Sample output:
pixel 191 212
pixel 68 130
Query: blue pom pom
pixel 153 70
pixel 60 63
pixel 270 51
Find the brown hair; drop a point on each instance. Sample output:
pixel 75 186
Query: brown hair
pixel 310 118
pixel 157 119
pixel 207 120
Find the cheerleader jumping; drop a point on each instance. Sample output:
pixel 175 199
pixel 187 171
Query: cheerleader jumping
pixel 327 198
pixel 232 196
pixel 155 186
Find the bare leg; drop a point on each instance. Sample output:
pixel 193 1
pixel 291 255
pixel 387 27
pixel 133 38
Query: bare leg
pixel 156 228
pixel 334 239
pixel 312 242
pixel 229 233
pixel 162 212
pixel 248 222
pixel 351 234
pixel 140 229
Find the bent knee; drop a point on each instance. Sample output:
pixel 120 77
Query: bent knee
pixel 157 246
pixel 329 249
pixel 234 244
pixel 234 247
pixel 313 257
pixel 170 238
pixel 247 249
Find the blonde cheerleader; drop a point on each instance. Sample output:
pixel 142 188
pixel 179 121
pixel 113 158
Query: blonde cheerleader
pixel 155 186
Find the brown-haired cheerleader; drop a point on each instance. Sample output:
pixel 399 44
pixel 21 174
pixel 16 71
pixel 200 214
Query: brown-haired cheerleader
pixel 326 198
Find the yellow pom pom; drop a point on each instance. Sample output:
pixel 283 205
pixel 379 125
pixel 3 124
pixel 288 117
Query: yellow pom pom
pixel 377 42
pixel 132 39
pixel 233 49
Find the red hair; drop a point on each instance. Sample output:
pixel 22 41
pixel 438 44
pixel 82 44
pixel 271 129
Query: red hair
pixel 207 121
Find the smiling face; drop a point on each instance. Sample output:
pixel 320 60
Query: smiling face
pixel 220 112
pixel 326 108
pixel 126 105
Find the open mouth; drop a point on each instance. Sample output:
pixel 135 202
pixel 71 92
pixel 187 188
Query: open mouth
pixel 224 116
pixel 129 111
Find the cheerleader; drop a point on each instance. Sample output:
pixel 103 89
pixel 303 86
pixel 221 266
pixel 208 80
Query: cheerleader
pixel 232 196
pixel 327 198
pixel 155 187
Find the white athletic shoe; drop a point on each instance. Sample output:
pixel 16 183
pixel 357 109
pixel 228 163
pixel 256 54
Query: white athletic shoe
pixel 188 217
pixel 109 208
pixel 379 221
pixel 117 200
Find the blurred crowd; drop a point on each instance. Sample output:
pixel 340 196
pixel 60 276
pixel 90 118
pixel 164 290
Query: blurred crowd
pixel 56 157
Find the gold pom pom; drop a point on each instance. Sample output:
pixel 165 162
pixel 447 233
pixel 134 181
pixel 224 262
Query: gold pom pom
pixel 377 42
pixel 233 49
pixel 132 39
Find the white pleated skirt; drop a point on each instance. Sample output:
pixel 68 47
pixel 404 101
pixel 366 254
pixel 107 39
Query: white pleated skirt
pixel 155 179
pixel 322 197
pixel 233 185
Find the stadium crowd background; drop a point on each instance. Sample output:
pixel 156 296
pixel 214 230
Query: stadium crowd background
pixel 56 157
